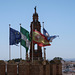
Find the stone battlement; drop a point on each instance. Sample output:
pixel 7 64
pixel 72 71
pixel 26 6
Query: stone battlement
pixel 29 68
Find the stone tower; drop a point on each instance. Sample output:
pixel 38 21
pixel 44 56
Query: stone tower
pixel 37 50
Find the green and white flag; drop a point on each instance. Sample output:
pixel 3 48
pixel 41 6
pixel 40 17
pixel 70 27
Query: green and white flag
pixel 25 38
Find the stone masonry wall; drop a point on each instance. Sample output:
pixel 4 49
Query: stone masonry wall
pixel 29 68
pixel 2 68
pixel 26 68
pixel 23 69
pixel 58 69
pixel 52 69
pixel 48 69
pixel 11 68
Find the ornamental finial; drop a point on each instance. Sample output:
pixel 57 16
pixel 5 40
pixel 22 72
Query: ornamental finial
pixel 35 9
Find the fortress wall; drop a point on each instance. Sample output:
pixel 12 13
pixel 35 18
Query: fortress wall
pixel 58 69
pixel 52 69
pixel 34 70
pixel 23 69
pixel 11 68
pixel 2 67
pixel 29 68
pixel 48 69
pixel 41 70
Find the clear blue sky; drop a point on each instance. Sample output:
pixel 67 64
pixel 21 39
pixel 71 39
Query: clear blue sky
pixel 58 17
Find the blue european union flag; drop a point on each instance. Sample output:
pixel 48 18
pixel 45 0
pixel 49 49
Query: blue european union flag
pixel 15 37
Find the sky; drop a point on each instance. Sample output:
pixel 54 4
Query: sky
pixel 58 17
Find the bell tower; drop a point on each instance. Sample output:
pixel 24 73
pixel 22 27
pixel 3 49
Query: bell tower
pixel 37 50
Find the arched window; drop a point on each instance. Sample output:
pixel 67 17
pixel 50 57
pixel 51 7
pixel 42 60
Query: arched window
pixel 35 46
pixel 36 29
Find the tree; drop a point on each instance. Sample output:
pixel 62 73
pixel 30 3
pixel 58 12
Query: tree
pixel 57 58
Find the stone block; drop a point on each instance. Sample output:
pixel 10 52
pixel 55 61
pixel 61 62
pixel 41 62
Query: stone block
pixel 11 68
pixel 2 67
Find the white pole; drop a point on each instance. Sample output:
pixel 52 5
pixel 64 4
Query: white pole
pixel 9 44
pixel 43 32
pixel 32 43
pixel 20 44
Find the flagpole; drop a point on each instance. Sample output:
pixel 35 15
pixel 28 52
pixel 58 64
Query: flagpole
pixel 9 44
pixel 44 56
pixel 20 45
pixel 43 32
pixel 26 55
pixel 32 43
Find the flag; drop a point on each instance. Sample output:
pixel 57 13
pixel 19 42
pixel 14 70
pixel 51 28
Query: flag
pixel 53 37
pixel 49 38
pixel 40 39
pixel 46 34
pixel 14 37
pixel 25 38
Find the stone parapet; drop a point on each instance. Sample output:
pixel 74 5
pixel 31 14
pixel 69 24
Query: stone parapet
pixel 23 68
pixel 48 69
pixel 2 67
pixel 11 68
pixel 28 68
